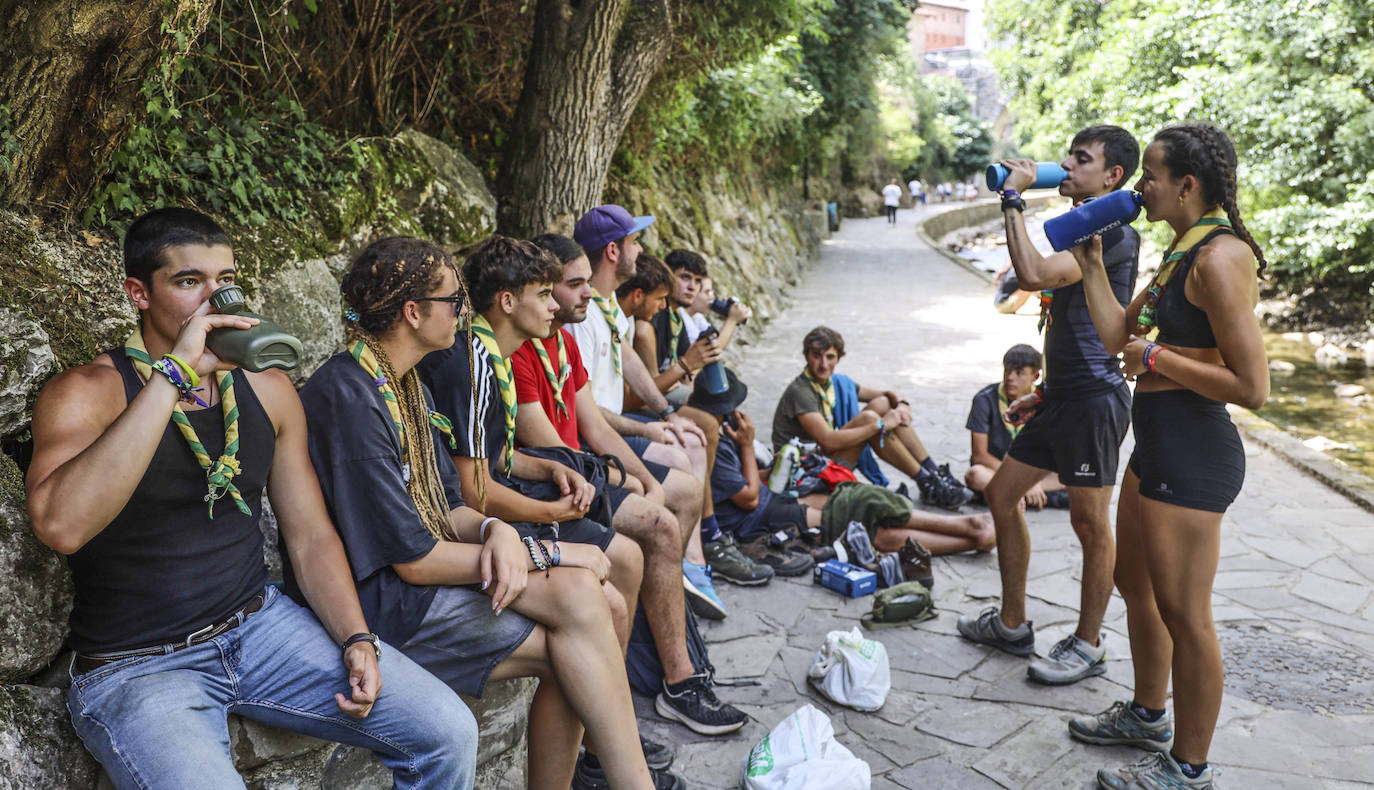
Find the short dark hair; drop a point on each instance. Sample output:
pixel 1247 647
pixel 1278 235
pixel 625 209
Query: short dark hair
pixel 563 248
pixel 597 254
pixel 1022 356
pixel 822 338
pixel 650 275
pixel 686 259
pixel 504 264
pixel 385 275
pixel 1119 147
pixel 151 234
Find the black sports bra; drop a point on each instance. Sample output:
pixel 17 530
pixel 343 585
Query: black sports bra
pixel 1182 323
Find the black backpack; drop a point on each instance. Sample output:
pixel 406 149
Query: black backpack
pixel 641 658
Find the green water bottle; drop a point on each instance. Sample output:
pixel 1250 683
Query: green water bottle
pixel 257 348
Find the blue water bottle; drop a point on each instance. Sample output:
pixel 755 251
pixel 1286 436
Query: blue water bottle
pixel 1112 210
pixel 1047 174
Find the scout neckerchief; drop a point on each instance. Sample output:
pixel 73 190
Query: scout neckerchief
pixel 219 473
pixel 674 332
pixel 556 381
pixel 609 307
pixel 505 382
pixel 1004 403
pixel 827 393
pixel 364 356
pixel 1046 302
pixel 1145 320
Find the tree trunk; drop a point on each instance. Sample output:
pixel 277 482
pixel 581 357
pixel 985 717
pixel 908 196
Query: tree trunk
pixel 590 63
pixel 71 77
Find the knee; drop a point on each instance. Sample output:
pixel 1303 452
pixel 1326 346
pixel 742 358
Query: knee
pixel 881 405
pixel 1133 583
pixel 675 457
pixel 1093 532
pixel 580 601
pixel 1001 500
pixel 446 743
pixel 627 561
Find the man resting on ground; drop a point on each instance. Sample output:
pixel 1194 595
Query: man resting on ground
pixel 990 433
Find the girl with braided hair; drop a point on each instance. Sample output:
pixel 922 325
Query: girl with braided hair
pixel 1193 343
pixel 434 575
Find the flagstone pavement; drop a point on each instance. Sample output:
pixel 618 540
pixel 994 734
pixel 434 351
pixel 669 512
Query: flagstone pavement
pixel 1292 597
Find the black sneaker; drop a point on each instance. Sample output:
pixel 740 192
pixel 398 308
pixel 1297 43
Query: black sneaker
pixel 587 778
pixel 658 755
pixel 938 491
pixel 783 561
pixel 694 704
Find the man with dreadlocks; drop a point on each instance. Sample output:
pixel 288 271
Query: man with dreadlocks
pixel 151 481
pixel 419 554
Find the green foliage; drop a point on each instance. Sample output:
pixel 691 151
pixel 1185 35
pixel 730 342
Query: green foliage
pixel 9 146
pixel 929 125
pixel 1289 79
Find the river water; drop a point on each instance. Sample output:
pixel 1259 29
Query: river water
pixel 1303 403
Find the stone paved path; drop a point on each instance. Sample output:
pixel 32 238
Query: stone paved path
pixel 1293 600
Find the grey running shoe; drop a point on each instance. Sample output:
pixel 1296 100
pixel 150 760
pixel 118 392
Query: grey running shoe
pixel 1119 725
pixel 729 563
pixel 658 755
pixel 987 629
pixel 696 705
pixel 1155 771
pixel 1070 660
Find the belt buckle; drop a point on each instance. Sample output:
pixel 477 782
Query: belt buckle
pixel 201 634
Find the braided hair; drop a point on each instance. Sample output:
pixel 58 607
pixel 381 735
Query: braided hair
pixel 381 279
pixel 1206 153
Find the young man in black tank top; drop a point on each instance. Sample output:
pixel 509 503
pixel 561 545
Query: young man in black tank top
pixel 1075 427
pixel 154 490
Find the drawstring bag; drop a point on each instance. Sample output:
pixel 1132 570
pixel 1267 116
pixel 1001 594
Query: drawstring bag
pixel 902 604
pixel 851 670
pixel 801 753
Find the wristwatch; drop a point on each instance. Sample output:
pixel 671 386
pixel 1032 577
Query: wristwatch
pixel 1012 199
pixel 667 411
pixel 356 638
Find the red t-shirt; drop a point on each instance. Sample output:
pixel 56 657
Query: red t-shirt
pixel 531 384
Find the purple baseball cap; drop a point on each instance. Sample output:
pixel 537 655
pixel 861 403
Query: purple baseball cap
pixel 605 224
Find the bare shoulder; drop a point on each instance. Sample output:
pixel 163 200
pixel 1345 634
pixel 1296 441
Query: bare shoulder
pixel 277 395
pixel 95 389
pixel 1225 269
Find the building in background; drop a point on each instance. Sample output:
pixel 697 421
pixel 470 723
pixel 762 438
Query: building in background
pixel 947 37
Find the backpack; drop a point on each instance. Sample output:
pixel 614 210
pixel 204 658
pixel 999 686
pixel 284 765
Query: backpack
pixel 641 657
pixel 901 604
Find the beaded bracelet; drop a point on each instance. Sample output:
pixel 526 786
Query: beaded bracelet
pixel 534 553
pixel 548 561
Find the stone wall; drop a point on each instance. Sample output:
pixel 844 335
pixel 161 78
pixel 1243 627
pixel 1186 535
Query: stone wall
pixel 61 303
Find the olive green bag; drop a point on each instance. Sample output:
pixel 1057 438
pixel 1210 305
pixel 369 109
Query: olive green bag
pixel 900 604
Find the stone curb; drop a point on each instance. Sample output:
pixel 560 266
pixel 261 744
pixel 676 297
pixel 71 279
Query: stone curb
pixel 1335 475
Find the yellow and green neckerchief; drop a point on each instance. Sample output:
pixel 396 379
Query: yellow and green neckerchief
pixel 1004 403
pixel 674 331
pixel 1145 320
pixel 827 393
pixel 505 381
pixel 364 356
pixel 609 307
pixel 564 370
pixel 220 472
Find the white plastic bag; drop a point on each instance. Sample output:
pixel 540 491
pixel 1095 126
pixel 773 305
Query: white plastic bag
pixel 852 670
pixel 801 753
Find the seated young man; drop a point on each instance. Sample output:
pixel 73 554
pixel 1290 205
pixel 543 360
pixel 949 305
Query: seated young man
pixel 990 433
pixel 755 513
pixel 419 553
pixel 807 410
pixel 644 299
pixel 167 559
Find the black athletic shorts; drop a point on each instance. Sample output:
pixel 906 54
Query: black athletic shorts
pixel 579 530
pixel 618 494
pixel 781 511
pixel 1187 450
pixel 1078 439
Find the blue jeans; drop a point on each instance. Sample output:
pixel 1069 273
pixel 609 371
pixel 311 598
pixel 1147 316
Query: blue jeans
pixel 160 721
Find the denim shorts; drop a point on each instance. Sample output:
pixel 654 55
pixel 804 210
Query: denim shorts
pixel 461 640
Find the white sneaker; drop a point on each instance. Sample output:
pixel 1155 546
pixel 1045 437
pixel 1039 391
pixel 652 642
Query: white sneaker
pixel 1069 661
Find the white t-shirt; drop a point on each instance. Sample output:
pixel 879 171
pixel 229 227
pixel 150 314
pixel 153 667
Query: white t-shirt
pixel 915 187
pixel 892 195
pixel 694 323
pixel 593 338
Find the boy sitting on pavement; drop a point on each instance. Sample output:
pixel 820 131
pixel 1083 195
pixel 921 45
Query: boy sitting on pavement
pixel 990 433
pixel 806 410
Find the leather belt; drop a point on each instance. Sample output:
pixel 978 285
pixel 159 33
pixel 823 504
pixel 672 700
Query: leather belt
pixel 87 663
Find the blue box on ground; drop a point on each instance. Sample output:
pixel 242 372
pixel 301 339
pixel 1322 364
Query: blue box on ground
pixel 847 579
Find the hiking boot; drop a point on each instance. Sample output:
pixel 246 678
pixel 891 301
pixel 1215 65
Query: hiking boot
pixel 941 492
pixel 1155 771
pixel 730 564
pixel 783 562
pixel 701 592
pixel 658 755
pixel 588 778
pixel 695 704
pixel 916 563
pixel 987 629
pixel 1070 660
pixel 1121 725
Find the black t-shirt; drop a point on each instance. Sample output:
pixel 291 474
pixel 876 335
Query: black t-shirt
pixel 446 373
pixel 356 452
pixel 664 339
pixel 985 416
pixel 1077 365
pixel 727 479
